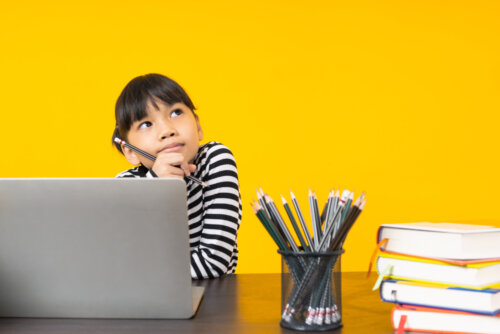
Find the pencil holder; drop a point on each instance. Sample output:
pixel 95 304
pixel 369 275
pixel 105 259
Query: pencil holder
pixel 311 290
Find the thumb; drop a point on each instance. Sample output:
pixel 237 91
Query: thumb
pixel 185 168
pixel 192 167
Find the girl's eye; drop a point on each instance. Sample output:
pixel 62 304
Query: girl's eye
pixel 176 113
pixel 144 125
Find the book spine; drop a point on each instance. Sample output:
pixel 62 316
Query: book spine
pixel 398 312
pixel 379 233
pixel 393 318
pixel 410 303
pixel 377 265
pixel 381 288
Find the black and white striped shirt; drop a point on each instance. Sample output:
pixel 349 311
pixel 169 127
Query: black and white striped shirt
pixel 214 211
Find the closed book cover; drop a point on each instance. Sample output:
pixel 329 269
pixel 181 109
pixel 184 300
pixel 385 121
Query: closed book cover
pixel 423 319
pixel 475 275
pixel 442 240
pixel 483 301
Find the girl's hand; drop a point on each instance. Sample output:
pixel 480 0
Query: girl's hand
pixel 172 164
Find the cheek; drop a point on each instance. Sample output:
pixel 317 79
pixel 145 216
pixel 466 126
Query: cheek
pixel 135 138
pixel 193 140
pixel 190 130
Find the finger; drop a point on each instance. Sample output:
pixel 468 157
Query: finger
pixel 166 170
pixel 185 167
pixel 174 170
pixel 192 167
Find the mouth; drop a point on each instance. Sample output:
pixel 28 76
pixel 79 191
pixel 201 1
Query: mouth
pixel 171 147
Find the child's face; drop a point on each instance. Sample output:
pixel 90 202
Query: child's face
pixel 167 129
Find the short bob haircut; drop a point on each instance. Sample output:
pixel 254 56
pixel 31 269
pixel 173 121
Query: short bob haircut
pixel 133 100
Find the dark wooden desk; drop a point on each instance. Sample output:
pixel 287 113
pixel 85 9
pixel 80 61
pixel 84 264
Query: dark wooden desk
pixel 246 303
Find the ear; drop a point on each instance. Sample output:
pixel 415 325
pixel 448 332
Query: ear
pixel 200 131
pixel 131 156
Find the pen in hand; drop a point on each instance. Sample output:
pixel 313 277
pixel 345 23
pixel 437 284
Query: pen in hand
pixel 152 157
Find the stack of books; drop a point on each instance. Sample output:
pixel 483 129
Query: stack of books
pixel 442 277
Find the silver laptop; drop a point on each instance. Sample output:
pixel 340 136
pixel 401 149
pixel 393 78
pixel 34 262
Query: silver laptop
pixel 95 248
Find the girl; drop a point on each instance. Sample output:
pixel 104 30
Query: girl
pixel 156 115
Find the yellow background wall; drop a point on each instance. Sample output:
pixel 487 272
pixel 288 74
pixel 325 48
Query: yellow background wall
pixel 396 98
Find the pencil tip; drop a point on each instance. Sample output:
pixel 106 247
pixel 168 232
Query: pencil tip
pixel 267 198
pixel 291 193
pixel 345 193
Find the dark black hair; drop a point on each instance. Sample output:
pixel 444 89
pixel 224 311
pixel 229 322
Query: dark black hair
pixel 133 100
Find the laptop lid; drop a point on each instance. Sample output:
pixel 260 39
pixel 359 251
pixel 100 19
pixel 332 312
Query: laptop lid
pixel 97 248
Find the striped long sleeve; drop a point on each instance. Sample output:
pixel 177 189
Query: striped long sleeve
pixel 214 211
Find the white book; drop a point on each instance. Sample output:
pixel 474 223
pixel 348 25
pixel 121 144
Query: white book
pixel 476 275
pixel 442 240
pixel 485 301
pixel 439 321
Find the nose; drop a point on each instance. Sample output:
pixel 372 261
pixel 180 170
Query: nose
pixel 166 130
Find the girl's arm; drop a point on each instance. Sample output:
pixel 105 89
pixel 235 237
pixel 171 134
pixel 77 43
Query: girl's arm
pixel 215 215
pixel 137 172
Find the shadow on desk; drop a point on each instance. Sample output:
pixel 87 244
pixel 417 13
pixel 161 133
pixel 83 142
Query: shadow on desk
pixel 244 303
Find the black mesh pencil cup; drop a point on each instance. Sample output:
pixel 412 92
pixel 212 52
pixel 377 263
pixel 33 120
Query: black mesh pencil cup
pixel 310 279
pixel 311 290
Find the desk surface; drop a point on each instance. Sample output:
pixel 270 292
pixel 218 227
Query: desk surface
pixel 245 303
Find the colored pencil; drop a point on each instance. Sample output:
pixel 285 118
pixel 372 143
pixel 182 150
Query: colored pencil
pixel 303 243
pixel 282 224
pixel 313 221
pixel 301 219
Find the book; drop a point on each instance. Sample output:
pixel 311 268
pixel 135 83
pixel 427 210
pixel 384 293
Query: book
pixel 422 319
pixel 474 275
pixel 484 301
pixel 442 240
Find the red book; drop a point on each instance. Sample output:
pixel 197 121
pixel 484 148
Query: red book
pixel 433 320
